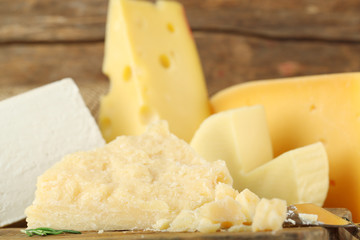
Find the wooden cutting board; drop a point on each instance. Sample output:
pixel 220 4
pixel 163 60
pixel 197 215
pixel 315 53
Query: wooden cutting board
pixel 288 234
pixel 317 233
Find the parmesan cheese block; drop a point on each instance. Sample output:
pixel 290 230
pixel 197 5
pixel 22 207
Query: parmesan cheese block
pixel 239 136
pixel 297 176
pixel 134 182
pixel 304 110
pixel 154 70
pixel 37 129
pixel 154 181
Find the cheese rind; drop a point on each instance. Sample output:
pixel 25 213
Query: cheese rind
pixel 239 136
pixel 154 70
pixel 134 182
pixel 297 176
pixel 37 129
pixel 304 110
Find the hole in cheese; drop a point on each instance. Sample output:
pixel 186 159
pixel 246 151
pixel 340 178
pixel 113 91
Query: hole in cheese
pixel 105 125
pixel 146 115
pixel 127 73
pixel 170 27
pixel 164 61
pixel 312 107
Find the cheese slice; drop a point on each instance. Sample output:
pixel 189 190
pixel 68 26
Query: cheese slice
pixel 298 176
pixel 239 136
pixel 154 70
pixel 304 110
pixel 134 182
pixel 37 128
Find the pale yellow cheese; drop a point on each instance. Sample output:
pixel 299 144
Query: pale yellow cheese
pixel 248 200
pixel 226 211
pixel 134 182
pixel 239 136
pixel 234 212
pixel 304 110
pixel 269 215
pixel 154 181
pixel 154 70
pixel 298 176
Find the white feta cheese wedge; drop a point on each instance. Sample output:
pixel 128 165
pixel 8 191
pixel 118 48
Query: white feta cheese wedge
pixel 37 129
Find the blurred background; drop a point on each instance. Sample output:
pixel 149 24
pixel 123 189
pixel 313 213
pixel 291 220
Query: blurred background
pixel 238 40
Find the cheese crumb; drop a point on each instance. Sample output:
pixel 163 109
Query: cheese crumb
pixel 309 219
pixel 269 215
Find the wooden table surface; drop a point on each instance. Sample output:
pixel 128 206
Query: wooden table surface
pixel 238 40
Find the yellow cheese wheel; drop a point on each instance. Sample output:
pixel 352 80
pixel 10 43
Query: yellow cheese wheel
pixel 304 110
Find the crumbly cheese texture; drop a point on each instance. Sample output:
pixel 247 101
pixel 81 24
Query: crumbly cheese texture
pixel 37 129
pixel 134 182
pixel 304 110
pixel 154 181
pixel 154 70
pixel 269 215
pixel 297 176
pixel 239 136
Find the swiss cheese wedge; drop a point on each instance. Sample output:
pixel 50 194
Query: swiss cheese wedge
pixel 154 70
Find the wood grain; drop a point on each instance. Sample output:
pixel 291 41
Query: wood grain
pixel 84 20
pixel 286 234
pixel 238 40
pixel 13 232
pixel 227 59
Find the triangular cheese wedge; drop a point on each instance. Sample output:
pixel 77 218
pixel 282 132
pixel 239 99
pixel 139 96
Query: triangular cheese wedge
pixel 134 182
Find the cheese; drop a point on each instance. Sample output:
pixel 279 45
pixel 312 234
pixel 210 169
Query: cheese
pixel 37 128
pixel 134 182
pixel 248 200
pixel 297 176
pixel 235 136
pixel 234 212
pixel 154 69
pixel 304 110
pixel 269 215
pixel 154 181
pixel 240 137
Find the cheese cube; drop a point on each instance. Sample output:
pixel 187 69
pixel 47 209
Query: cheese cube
pixel 248 200
pixel 154 69
pixel 37 129
pixel 297 176
pixel 239 136
pixel 134 182
pixel 269 215
pixel 226 211
pixel 207 226
pixel 304 110
pixel 186 221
